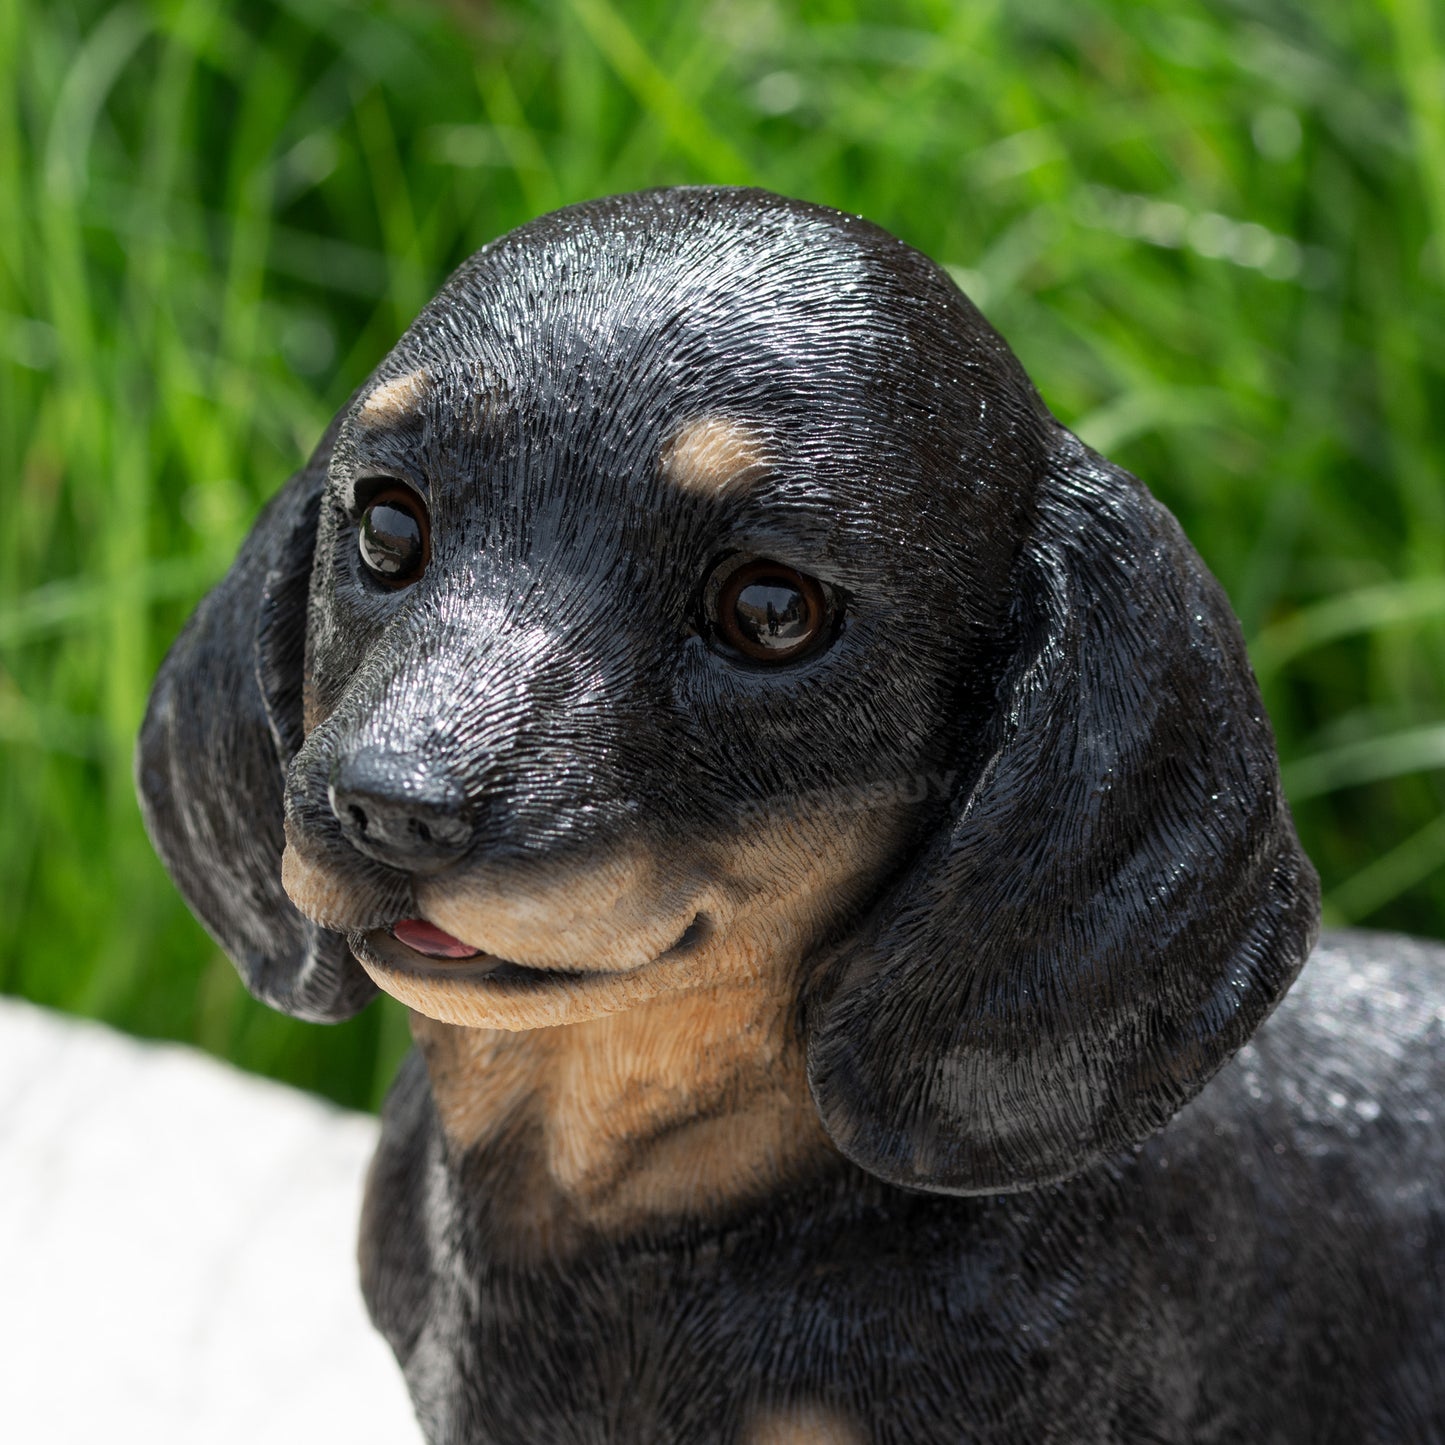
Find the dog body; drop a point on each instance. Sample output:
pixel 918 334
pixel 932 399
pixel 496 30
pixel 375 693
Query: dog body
pixel 822 820
pixel 1252 1273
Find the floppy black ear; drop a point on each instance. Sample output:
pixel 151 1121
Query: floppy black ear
pixel 223 722
pixel 1118 899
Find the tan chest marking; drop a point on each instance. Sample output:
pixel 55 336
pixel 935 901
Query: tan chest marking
pixel 676 1107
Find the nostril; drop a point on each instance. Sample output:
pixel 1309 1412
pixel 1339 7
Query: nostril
pixel 403 810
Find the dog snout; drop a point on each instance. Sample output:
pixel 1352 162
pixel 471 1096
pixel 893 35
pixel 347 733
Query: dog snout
pixel 400 809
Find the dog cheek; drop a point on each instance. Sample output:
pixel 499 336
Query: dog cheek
pixel 796 874
pixel 315 709
pixel 334 655
pixel 339 637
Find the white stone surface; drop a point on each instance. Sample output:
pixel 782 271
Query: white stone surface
pixel 177 1251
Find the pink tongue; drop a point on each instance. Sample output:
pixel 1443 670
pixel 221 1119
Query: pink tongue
pixel 428 939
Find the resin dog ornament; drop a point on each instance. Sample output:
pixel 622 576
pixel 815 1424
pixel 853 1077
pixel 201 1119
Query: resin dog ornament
pixel 822 820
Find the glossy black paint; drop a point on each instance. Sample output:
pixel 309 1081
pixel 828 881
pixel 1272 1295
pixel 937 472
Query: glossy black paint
pixel 1078 938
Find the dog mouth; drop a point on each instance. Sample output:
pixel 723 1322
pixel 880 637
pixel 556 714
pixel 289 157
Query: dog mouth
pixel 418 947
pixel 428 939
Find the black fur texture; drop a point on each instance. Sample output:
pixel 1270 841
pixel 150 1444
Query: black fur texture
pixel 1084 1187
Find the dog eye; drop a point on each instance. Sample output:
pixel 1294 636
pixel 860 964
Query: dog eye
pixel 395 536
pixel 766 611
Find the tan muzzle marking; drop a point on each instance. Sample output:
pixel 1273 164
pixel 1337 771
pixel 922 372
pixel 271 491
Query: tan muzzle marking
pixel 322 894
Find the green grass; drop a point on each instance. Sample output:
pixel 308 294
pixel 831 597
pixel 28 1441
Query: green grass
pixel 1215 235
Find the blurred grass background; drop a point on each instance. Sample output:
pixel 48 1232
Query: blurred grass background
pixel 1214 233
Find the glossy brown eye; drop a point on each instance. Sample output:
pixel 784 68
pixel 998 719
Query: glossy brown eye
pixel 766 611
pixel 395 537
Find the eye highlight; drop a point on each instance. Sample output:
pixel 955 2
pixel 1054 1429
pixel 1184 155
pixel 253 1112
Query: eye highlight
pixel 766 611
pixel 394 537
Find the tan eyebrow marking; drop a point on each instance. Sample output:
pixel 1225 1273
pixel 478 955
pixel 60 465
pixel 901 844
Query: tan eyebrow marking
pixel 803 1425
pixel 393 400
pixel 713 456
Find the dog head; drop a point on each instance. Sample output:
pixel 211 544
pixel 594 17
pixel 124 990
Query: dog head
pixel 700 591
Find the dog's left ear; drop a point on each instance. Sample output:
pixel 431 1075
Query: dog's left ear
pixel 1118 899
pixel 223 723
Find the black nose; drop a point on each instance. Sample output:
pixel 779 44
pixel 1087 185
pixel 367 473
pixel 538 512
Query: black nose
pixel 400 809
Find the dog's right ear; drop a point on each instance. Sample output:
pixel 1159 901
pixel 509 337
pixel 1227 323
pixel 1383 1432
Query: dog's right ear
pixel 224 721
pixel 1118 898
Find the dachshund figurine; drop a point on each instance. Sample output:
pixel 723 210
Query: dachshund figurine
pixel 823 823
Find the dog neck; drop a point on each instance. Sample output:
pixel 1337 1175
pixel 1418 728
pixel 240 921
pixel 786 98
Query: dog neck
pixel 680 1107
